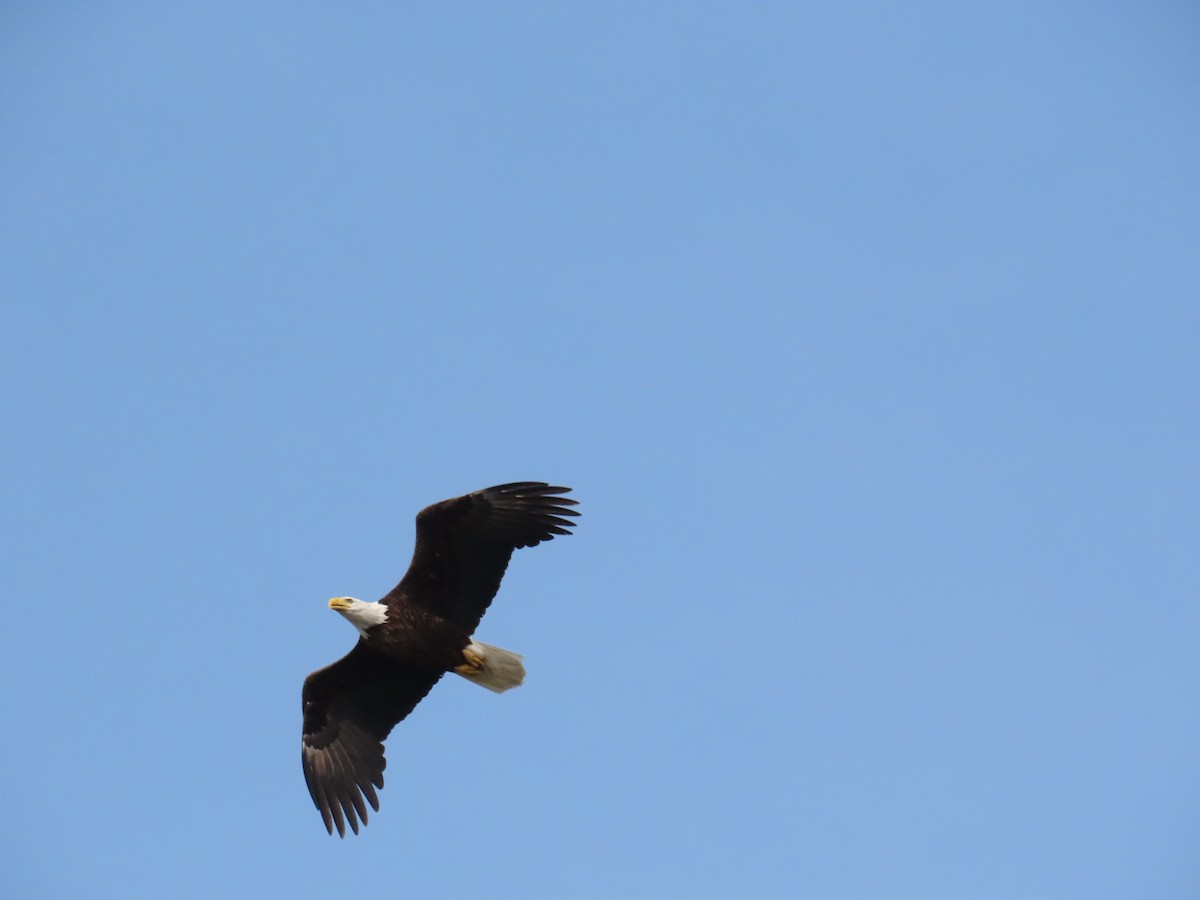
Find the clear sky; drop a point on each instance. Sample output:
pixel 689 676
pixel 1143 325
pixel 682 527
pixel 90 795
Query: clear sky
pixel 866 333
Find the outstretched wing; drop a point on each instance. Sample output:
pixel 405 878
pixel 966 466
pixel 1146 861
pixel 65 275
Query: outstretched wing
pixel 464 544
pixel 349 708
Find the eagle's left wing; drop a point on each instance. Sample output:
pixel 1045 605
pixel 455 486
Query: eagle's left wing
pixel 464 544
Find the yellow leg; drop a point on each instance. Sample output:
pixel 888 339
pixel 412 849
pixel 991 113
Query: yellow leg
pixel 474 661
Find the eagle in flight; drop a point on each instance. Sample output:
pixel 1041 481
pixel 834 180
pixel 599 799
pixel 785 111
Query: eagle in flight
pixel 417 633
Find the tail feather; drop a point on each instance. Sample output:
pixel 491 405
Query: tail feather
pixel 501 669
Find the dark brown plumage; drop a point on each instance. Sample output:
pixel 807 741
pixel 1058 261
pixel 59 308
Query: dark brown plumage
pixel 423 631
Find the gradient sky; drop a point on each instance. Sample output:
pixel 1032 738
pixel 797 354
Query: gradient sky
pixel 867 335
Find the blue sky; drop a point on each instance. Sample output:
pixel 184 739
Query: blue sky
pixel 866 334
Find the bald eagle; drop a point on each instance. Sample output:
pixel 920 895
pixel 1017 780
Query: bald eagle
pixel 417 633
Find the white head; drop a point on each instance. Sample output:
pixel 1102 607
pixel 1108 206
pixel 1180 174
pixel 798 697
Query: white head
pixel 361 615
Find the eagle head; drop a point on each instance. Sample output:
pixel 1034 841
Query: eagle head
pixel 361 615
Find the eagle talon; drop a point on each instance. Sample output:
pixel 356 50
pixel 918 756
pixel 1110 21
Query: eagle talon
pixel 474 661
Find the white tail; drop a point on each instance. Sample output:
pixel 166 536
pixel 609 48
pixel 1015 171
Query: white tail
pixel 501 669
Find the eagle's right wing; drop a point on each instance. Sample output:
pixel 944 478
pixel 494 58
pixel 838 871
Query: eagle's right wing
pixel 349 708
